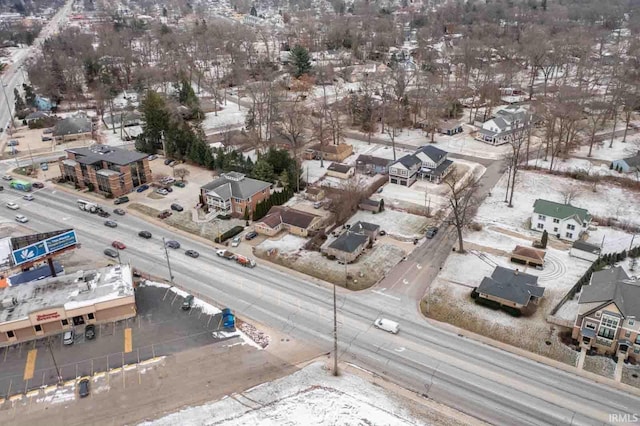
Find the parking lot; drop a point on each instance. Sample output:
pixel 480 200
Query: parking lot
pixel 161 328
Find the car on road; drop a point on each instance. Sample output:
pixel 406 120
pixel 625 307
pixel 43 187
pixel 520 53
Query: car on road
pixel 432 231
pixel 387 325
pixel 28 197
pixel 103 213
pixel 235 242
pixel 67 337
pixel 192 253
pixel 162 191
pixel 7 177
pixel 173 244
pixel 111 253
pixel 119 245
pixel 176 207
pixel 110 224
pixel 144 234
pixel 13 206
pixel 188 303
pixel 90 332
pixel 83 388
pixel 21 218
pixel 142 188
pixel 119 212
pixel 164 214
pixel 37 185
pixel 251 235
pixel 121 200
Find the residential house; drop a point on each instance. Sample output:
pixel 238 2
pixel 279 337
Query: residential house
pixel 608 319
pixel 368 164
pixel 435 165
pixel 347 247
pixel 450 128
pixel 562 220
pixel 232 193
pixel 35 116
pixel 507 123
pixel 332 152
pixel 528 256
pixel 405 171
pixel 314 193
pixel 124 119
pixel 294 221
pixel 109 170
pixel 584 250
pixel 341 171
pixel 73 128
pixel 361 72
pixel 627 165
pixel 375 206
pixel 371 230
pixel 43 104
pixel 511 288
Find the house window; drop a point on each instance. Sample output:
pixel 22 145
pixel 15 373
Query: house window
pixel 590 325
pixel 91 316
pixel 540 226
pixel 542 217
pixel 555 229
pixel 631 322
pixel 608 327
pixel 239 208
pixel 38 328
pixel 627 334
pixel 571 227
pixel 569 235
pixel 636 350
pixel 556 220
pixel 11 334
pixel 65 322
pixel 638 339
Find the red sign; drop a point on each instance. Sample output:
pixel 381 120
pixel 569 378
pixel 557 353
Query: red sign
pixel 44 317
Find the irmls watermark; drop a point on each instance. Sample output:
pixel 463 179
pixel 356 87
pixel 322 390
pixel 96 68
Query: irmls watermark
pixel 624 418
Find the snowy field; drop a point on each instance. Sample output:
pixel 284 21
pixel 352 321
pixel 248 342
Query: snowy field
pixel 593 168
pixel 619 149
pixel 311 396
pixel 395 223
pixel 230 117
pixel 286 243
pixel 116 139
pixel 613 240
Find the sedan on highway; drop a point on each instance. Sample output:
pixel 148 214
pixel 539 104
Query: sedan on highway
pixel 13 206
pixel 144 234
pixel 21 218
pixel 192 253
pixel 111 253
pixel 38 185
pixel 118 245
pixel 119 212
pixel 173 244
pixel 110 223
pixel 28 197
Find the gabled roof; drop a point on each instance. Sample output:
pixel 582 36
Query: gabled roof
pixel 74 125
pixel 529 252
pixel 435 154
pixel 289 216
pixel 360 227
pixel 613 285
pixel 236 185
pixel 339 167
pixel 349 242
pixel 632 161
pixel 36 115
pixel 584 246
pixel 370 159
pixel 560 211
pixel 111 154
pixel 408 161
pixel 511 285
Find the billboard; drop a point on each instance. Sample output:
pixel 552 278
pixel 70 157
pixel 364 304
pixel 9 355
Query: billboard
pixel 42 248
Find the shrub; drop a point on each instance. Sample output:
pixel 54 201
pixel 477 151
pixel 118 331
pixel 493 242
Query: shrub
pixel 229 234
pixel 474 293
pixel 488 303
pixel 512 311
pixel 475 226
pixel 224 216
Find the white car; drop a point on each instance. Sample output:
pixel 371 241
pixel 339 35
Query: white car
pixel 21 218
pixel 235 242
pixel 162 191
pixel 13 206
pixel 7 177
pixel 28 197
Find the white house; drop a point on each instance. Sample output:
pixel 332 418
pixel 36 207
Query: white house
pixel 506 122
pixel 562 220
pixel 405 171
pixel 435 165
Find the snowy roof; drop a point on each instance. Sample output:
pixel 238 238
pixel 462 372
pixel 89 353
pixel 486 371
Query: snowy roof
pixel 71 291
pixel 613 285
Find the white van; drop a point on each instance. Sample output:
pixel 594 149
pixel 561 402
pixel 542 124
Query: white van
pixel 387 325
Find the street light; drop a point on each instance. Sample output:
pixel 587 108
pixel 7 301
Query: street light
pixel 55 364
pixel 7 100
pixel 166 253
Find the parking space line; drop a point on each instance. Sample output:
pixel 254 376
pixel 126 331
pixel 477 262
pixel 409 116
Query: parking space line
pixel 128 344
pixel 6 351
pixel 30 365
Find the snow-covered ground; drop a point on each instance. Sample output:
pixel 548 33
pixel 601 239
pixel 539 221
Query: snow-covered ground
pixel 287 243
pixel 613 240
pixel 393 222
pixel 575 165
pixel 109 138
pixel 311 396
pixel 617 151
pixel 230 117
pixel 312 172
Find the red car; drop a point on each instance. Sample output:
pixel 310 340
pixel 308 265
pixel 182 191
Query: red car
pixel 118 245
pixel 165 214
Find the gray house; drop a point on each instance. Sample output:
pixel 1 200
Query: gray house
pixel 347 247
pixel 405 171
pixel 511 288
pixel 627 165
pixel 369 164
pixel 507 121
pixel 435 165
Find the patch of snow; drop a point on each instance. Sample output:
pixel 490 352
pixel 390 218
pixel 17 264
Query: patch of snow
pixel 395 223
pixel 60 395
pixel 618 151
pixel 312 172
pixel 287 244
pixel 231 116
pixel 569 310
pixel 612 240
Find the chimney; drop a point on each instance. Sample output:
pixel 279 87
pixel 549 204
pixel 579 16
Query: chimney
pixel 516 272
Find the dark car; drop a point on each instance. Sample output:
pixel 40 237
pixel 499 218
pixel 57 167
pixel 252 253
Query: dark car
pixel 1 188
pixel 176 207
pixel 192 253
pixel 90 332
pixel 83 388
pixel 102 213
pixel 188 302
pixel 142 188
pixel 167 161
pixel 110 224
pixel 38 185
pixel 179 184
pixel 382 233
pixel 121 200
pixel 144 234
pixel 164 214
pixel 251 235
pixel 111 253
pixel 173 244
pixel 119 212
pixel 168 188
pixel 431 232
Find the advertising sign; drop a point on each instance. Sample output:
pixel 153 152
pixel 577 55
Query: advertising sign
pixel 40 249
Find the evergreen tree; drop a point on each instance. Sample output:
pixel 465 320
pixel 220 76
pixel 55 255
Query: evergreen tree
pixel 20 104
pixel 545 238
pixel 300 61
pixel 156 120
pixel 29 95
pixel 284 179
pixel 263 170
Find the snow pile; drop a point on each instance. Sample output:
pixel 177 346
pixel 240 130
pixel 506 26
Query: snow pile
pixel 228 118
pixel 311 396
pixel 256 335
pixel 59 395
pixel 287 244
pixel 394 223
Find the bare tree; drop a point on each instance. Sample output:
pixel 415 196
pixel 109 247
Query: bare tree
pixel 292 126
pixel 181 173
pixel 462 201
pixel 569 194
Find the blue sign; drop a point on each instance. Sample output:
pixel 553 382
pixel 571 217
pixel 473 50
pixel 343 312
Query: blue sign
pixel 40 249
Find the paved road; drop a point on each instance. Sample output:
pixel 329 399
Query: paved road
pixel 490 384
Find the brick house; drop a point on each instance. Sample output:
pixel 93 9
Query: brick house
pixel 232 193
pixel 294 221
pixel 110 170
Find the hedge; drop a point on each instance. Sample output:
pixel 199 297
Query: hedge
pixel 229 234
pixel 488 303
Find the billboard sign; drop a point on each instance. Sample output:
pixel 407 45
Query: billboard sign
pixel 42 248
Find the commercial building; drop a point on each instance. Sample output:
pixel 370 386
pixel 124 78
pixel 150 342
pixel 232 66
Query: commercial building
pixel 109 170
pixel 47 307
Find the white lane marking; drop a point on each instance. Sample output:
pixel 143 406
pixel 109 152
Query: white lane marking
pixel 383 294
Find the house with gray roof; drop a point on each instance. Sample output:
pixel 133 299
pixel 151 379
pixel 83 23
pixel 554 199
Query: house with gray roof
pixel 627 165
pixel 405 170
pixel 507 123
pixel 77 126
pixel 608 319
pixel 347 247
pixel 370 164
pixel 435 165
pixel 232 193
pixel 511 288
pixel 564 221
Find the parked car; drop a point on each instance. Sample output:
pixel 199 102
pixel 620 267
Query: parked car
pixel 192 253
pixel 7 177
pixel 164 214
pixel 103 213
pixel 152 157
pixel 142 188
pixel 188 302
pixel 46 138
pixel 68 337
pixel 168 188
pixel 167 161
pixel 179 184
pixel 83 388
pixel 172 163
pixel 317 204
pixel 144 234
pixel 1 188
pixel 162 191
pixel 90 332
pixel 432 231
pixel 173 244
pixel 176 207
pixel 13 206
pixel 118 245
pixel 251 235
pixel 235 242
pixel 121 200
pixel 13 142
pixel 38 185
pixel 119 212
pixel 21 218
pixel 167 179
pixel 28 197
pixel 111 253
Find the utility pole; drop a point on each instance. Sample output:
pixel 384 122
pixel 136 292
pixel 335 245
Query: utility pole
pixel 633 237
pixel 8 105
pixel 335 333
pixel 166 253
pixel 54 363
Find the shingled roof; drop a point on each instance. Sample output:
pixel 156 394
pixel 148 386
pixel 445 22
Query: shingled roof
pixel 511 285
pixel 233 184
pixel 613 285
pixel 560 211
pixel 349 242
